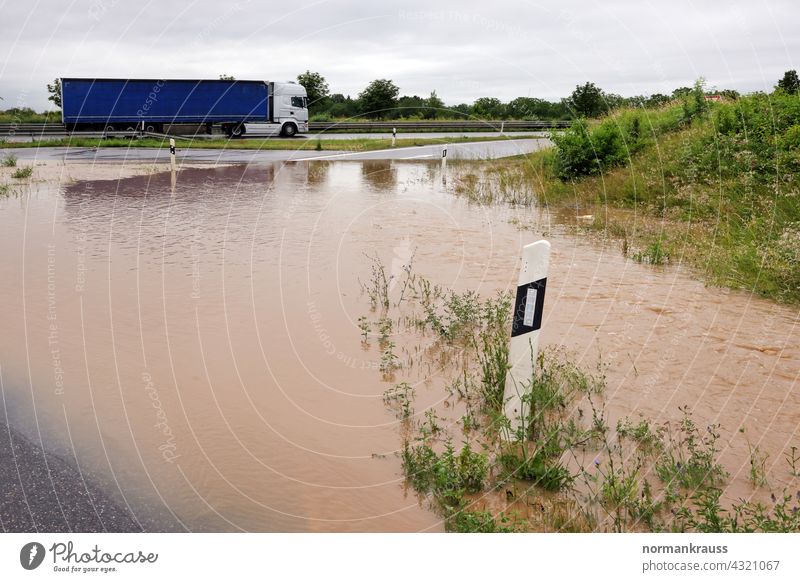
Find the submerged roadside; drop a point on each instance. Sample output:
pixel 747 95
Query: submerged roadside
pixel 40 491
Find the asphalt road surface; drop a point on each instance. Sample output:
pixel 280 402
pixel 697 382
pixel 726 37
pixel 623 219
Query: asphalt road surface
pixel 41 492
pixel 478 150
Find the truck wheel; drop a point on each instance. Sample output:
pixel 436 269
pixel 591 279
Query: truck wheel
pixel 110 128
pixel 151 128
pixel 289 130
pixel 237 130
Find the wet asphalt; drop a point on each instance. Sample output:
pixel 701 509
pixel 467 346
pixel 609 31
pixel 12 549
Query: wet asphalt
pixel 475 151
pixel 41 492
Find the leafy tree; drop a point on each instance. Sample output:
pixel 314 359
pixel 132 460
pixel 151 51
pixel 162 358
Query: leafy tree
pixel 730 94
pixel 461 110
pixel 225 77
pixel 410 106
pixel 790 83
pixel 528 108
pixel 434 107
pixel 316 88
pixel 341 106
pixel 587 100
pixel 55 92
pixel 681 92
pixel 379 98
pixel 489 108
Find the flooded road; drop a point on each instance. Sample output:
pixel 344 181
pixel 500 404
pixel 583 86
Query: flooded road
pixel 484 150
pixel 195 347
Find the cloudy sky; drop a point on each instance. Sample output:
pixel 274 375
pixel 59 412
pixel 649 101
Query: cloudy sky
pixel 463 49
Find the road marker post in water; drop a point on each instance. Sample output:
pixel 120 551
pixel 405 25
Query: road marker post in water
pixel 444 157
pixel 525 326
pixel 172 153
pixel 394 135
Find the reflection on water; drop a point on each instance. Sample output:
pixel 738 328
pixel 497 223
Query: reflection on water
pixel 198 344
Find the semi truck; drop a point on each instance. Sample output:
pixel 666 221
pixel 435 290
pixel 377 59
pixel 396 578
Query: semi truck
pixel 237 107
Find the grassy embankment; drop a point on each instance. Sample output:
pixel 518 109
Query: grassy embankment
pixel 566 469
pixel 294 144
pixel 712 185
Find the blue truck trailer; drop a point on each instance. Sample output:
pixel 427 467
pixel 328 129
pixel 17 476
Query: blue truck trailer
pixel 238 107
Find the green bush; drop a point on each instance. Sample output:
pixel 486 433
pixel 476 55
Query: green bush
pixel 22 173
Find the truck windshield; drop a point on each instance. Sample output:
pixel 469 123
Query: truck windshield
pixel 299 101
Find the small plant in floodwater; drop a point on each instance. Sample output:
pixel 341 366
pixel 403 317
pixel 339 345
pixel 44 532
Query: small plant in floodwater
pixel 388 359
pixel 758 466
pixel 4 189
pixel 641 433
pixel 479 522
pixel 706 514
pixel 22 173
pixel 653 254
pixel 470 422
pixel 378 287
pixel 430 426
pixel 384 329
pixel 9 161
pixel 364 326
pixel 448 476
pixel 408 279
pixel 793 459
pixel 689 458
pixel 399 398
pixel 318 147
pixel 541 468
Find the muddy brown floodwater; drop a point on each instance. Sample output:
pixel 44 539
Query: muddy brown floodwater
pixel 195 348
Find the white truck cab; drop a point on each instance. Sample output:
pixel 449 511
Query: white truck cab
pixel 288 111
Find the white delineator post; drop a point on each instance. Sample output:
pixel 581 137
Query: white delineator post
pixel 444 157
pixel 394 135
pixel 526 323
pixel 172 154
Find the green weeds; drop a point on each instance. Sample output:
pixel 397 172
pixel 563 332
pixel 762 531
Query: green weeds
pixel 689 459
pixel 758 466
pixel 22 173
pixel 565 468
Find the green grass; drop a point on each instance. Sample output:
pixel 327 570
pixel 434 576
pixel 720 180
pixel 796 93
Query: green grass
pixel 9 161
pixel 25 115
pixel 22 173
pixel 713 186
pixel 294 144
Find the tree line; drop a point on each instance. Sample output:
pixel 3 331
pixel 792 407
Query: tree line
pixel 381 99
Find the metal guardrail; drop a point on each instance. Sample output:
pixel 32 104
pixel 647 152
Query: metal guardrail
pixel 58 129
pixel 471 125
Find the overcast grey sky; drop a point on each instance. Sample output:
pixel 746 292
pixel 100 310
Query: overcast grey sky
pixel 463 49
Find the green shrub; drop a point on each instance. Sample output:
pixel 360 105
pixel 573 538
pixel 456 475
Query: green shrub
pixel 22 173
pixel 478 522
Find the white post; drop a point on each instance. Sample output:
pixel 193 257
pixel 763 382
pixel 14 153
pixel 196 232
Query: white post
pixel 526 323
pixel 172 153
pixel 444 158
pixel 394 135
pixel 502 126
